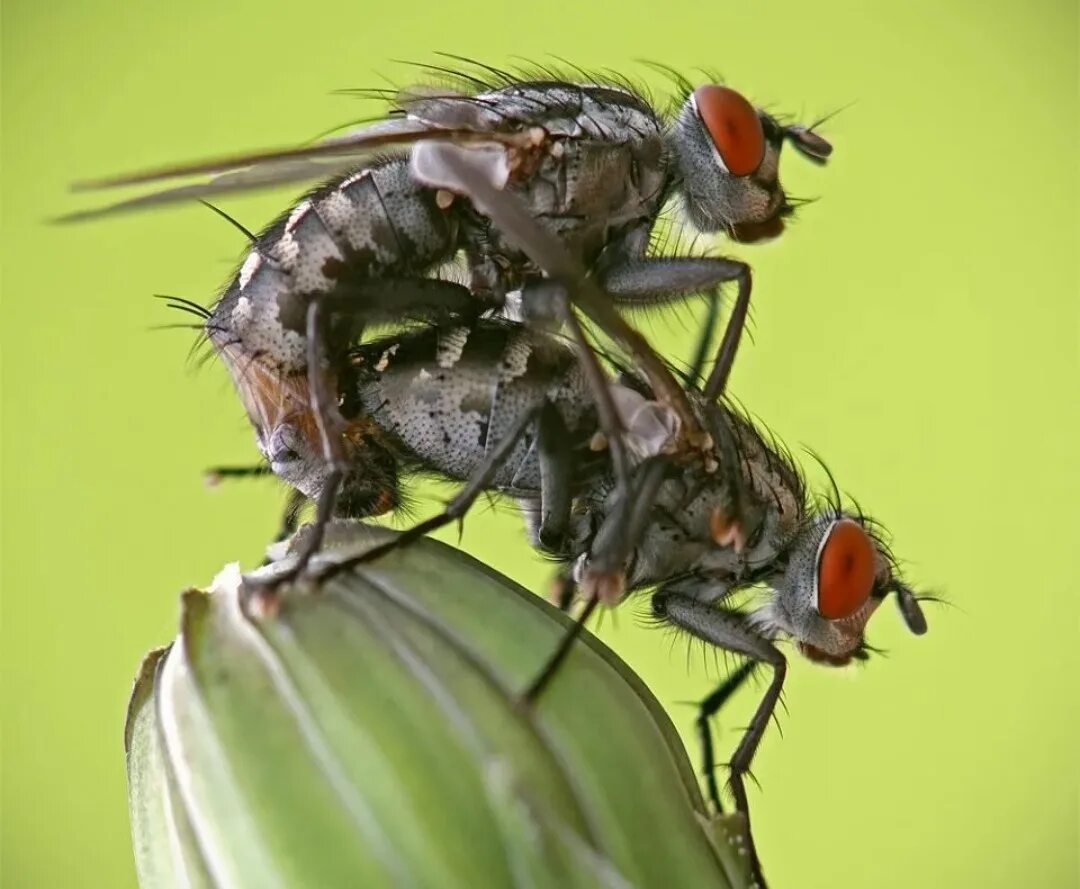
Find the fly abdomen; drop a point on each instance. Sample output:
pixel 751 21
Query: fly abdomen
pixel 371 225
pixel 449 396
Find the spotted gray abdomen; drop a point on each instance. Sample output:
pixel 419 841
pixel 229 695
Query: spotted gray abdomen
pixel 376 223
pixel 452 395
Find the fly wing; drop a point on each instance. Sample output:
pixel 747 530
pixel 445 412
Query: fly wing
pixel 498 122
pixel 251 179
pixel 321 161
pixel 381 136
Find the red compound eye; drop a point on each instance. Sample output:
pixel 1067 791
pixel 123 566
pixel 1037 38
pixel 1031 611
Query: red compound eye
pixel 734 127
pixel 845 570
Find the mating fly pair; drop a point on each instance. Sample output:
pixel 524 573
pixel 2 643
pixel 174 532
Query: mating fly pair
pixel 504 408
pixel 590 164
pixel 551 188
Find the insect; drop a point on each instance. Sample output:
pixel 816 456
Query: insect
pixel 592 163
pixel 505 408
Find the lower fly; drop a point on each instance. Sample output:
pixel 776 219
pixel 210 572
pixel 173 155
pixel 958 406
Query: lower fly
pixel 506 409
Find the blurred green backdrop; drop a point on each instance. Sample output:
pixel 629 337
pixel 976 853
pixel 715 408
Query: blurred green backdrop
pixel 918 327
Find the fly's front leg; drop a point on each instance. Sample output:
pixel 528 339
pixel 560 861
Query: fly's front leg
pixel 623 526
pixel 731 632
pixel 476 484
pixel 650 282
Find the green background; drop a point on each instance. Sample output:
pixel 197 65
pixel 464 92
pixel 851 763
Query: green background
pixel 917 326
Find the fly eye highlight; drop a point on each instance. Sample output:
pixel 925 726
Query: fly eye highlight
pixel 845 570
pixel 734 127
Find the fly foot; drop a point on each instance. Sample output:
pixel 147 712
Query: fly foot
pixel 606 587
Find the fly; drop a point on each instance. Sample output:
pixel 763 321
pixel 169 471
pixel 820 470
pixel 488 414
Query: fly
pixel 504 408
pixel 590 166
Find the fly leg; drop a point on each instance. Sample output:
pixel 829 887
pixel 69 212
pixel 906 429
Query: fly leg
pixel 517 225
pixel 629 521
pixel 477 483
pixel 606 581
pixel 290 520
pixel 555 458
pixel 709 708
pixel 355 306
pixel 561 594
pixel 551 256
pixel 648 281
pixel 651 282
pixel 731 632
pixel 330 425
pixel 392 300
pixel 614 542
pixel 624 525
pixel 216 474
pixel 290 516
pixel 558 657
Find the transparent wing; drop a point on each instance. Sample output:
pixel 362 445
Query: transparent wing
pixel 438 118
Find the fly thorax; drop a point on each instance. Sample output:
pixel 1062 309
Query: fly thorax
pixel 678 537
pixel 784 504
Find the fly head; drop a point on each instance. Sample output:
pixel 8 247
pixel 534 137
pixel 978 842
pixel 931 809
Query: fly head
pixel 837 573
pixel 728 153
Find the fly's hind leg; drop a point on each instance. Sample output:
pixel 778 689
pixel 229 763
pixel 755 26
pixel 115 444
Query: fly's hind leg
pixel 477 483
pixel 356 306
pixel 606 581
pixel 330 425
pixel 459 170
pixel 290 516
